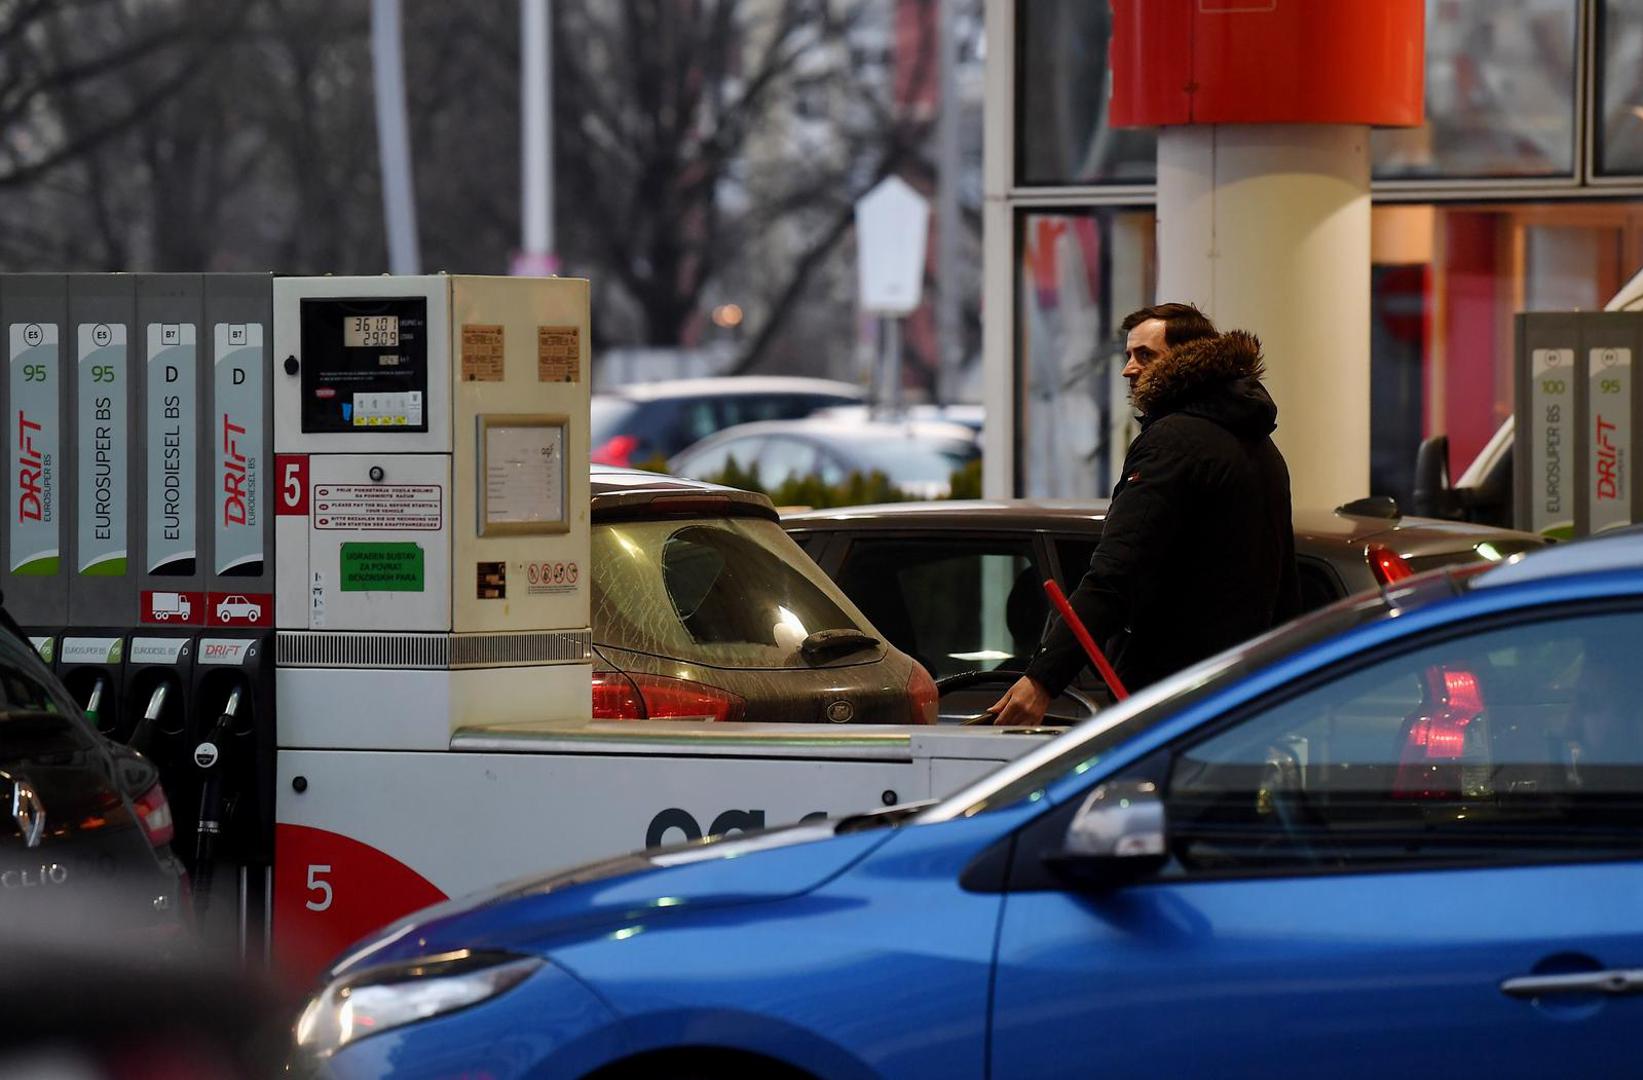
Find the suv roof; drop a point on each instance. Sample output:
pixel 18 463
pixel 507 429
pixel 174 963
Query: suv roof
pixel 627 493
pixel 719 386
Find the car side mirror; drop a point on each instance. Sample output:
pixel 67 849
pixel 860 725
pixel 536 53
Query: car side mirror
pixel 1434 496
pixel 1117 836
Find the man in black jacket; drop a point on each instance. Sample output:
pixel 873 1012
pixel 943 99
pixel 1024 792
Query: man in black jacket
pixel 1198 550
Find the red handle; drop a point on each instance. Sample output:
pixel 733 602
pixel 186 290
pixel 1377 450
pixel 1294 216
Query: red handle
pixel 1076 625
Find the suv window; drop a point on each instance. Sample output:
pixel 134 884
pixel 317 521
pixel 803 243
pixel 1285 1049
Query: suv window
pixel 734 592
pixel 1514 743
pixel 954 605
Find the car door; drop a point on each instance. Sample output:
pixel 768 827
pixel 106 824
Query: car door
pixel 1425 862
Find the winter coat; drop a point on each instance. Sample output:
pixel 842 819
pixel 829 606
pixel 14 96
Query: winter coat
pixel 1198 550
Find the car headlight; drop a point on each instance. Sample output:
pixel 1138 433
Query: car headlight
pixel 380 999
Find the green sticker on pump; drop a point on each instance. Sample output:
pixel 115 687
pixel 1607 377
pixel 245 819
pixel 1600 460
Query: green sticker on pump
pixel 369 567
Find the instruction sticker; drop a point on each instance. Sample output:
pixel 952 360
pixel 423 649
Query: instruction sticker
pixel 481 353
pixel 35 386
pixel 105 443
pixel 558 354
pixel 372 567
pixel 173 477
pixel 415 507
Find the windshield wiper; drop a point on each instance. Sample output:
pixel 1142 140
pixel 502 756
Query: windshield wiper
pixel 844 640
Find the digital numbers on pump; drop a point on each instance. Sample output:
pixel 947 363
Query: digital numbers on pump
pixel 370 331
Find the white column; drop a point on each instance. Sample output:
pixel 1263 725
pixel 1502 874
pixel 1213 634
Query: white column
pixel 1266 228
pixel 393 138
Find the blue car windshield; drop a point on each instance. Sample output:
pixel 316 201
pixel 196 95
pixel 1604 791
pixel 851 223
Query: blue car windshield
pixel 1084 746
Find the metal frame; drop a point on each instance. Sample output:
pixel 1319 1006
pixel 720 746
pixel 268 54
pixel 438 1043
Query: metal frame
pixel 547 422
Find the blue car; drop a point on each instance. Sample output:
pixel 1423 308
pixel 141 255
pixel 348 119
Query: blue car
pixel 1400 837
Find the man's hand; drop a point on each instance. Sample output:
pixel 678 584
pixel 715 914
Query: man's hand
pixel 1023 705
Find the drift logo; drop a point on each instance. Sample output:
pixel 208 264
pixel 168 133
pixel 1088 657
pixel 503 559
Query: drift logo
pixel 1608 462
pixel 31 472
pixel 235 506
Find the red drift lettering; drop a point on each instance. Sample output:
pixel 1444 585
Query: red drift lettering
pixel 233 474
pixel 1608 461
pixel 30 469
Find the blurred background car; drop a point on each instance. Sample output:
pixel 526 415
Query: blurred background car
pixel 959 585
pixel 918 457
pixel 703 608
pixel 644 422
pixel 971 416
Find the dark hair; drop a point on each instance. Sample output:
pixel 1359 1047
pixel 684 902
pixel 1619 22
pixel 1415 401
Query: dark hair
pixel 1182 322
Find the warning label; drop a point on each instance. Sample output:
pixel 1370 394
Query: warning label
pixel 377 506
pixel 481 353
pixel 558 354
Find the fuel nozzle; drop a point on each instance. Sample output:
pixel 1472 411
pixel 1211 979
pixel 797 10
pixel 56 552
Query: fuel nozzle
pixel 214 802
pixel 144 733
pixel 94 702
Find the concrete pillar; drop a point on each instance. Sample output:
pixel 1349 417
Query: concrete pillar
pixel 1266 227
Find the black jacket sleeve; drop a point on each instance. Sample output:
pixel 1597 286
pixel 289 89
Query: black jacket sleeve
pixel 1146 510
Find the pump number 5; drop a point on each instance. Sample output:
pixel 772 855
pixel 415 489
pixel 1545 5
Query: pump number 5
pixel 292 470
pixel 317 884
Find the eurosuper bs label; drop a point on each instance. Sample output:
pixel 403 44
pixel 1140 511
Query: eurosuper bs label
pixel 237 431
pixel 104 443
pixel 172 412
pixel 33 526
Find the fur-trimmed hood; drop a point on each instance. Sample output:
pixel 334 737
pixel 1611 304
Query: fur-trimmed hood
pixel 1217 378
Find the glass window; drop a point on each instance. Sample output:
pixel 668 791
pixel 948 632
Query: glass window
pixel 953 605
pixel 1500 93
pixel 782 459
pixel 710 462
pixel 729 593
pixel 912 461
pixel 1078 275
pixel 1063 89
pixel 1620 88
pixel 1518 743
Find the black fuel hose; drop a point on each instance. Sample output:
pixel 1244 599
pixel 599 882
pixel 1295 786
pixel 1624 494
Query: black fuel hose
pixel 208 758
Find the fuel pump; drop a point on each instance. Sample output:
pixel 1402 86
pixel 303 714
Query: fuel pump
pixel 92 667
pixel 432 533
pixel 159 678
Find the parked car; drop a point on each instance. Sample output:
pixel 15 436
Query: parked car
pixel 917 456
pixel 639 423
pixel 1386 839
pixel 970 415
pixel 703 608
pixel 85 837
pixel 959 585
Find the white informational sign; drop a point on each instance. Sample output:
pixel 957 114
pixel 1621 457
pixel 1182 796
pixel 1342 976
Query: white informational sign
pixel 892 225
pixel 524 474
pixel 399 507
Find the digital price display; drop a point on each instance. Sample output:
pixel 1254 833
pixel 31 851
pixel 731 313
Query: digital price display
pixel 370 331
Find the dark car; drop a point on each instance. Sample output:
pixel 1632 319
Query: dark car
pixel 85 837
pixel 959 585
pixel 703 608
pixel 636 424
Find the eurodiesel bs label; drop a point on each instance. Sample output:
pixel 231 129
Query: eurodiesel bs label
pixel 171 410
pixel 104 443
pixel 237 433
pixel 33 526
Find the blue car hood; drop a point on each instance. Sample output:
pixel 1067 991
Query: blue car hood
pixel 535 913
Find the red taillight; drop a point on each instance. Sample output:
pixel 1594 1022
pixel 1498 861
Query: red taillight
pixel 619 696
pixel 154 814
pixel 1387 564
pixel 616 451
pixel 922 696
pixel 1434 758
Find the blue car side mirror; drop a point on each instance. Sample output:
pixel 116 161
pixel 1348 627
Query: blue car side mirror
pixel 1118 835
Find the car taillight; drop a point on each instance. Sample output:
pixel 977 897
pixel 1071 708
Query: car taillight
pixel 1388 565
pixel 154 814
pixel 634 696
pixel 1445 744
pixel 616 450
pixel 922 696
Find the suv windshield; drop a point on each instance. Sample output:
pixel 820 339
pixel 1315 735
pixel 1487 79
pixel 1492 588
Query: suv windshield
pixel 727 592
